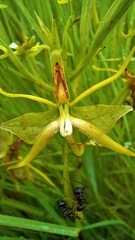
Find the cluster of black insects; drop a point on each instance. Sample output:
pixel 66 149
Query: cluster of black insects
pixel 80 201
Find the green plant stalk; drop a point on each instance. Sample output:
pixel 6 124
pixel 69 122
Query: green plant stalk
pixel 34 98
pixel 67 188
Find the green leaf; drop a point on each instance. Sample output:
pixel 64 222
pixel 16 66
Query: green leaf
pixel 55 37
pixel 102 116
pixel 29 125
pixel 46 31
pixel 112 17
pixel 105 223
pixel 85 31
pixel 64 40
pixel 22 223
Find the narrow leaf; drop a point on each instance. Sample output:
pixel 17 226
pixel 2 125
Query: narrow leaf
pixel 55 37
pixel 64 41
pixel 19 223
pixel 105 224
pixel 46 31
pixel 85 25
pixel 112 17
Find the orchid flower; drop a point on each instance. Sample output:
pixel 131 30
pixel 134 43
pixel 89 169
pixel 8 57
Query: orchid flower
pixel 64 117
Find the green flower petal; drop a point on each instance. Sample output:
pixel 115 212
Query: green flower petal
pixel 30 125
pixel 92 132
pixel 101 116
pixel 42 139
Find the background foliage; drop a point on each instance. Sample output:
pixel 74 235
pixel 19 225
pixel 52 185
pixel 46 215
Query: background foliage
pixel 109 177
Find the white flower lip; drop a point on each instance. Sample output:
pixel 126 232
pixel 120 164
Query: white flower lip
pixel 13 46
pixel 65 127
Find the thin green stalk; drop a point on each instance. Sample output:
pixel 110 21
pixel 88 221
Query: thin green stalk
pixel 34 98
pixel 67 188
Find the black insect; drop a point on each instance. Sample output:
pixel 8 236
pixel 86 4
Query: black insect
pixel 67 211
pixel 79 197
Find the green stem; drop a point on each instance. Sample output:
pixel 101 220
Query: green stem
pixel 67 188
